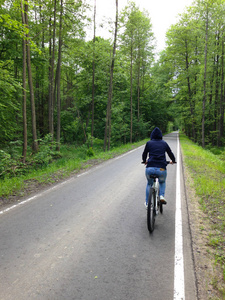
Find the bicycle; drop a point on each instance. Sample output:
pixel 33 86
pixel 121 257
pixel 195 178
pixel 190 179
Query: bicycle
pixel 154 203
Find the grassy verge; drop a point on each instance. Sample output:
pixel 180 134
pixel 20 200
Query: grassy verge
pixel 207 171
pixel 72 161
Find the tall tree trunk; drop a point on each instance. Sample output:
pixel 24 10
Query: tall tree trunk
pixel 40 72
pixel 214 113
pixel 222 99
pixel 43 96
pixel 33 113
pixel 109 104
pixel 59 79
pixel 131 94
pixel 93 79
pixel 190 94
pixel 51 73
pixel 24 91
pixel 204 83
pixel 138 84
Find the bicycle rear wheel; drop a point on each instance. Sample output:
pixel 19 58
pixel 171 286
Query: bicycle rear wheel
pixel 151 210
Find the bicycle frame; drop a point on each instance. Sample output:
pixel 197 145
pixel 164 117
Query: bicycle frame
pixel 155 186
pixel 153 204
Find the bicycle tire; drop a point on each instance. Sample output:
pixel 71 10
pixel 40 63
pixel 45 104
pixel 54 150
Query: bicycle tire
pixel 151 210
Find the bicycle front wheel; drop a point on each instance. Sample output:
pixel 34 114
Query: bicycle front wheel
pixel 151 210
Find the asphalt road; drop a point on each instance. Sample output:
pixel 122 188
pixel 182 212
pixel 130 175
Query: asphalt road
pixel 87 239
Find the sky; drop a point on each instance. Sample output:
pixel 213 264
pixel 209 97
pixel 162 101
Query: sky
pixel 163 13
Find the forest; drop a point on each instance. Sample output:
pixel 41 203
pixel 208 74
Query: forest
pixel 59 87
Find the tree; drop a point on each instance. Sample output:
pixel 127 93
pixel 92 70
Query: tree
pixel 109 104
pixel 11 33
pixel 52 37
pixel 195 51
pixel 24 90
pixel 93 78
pixel 136 43
pixel 30 80
pixel 182 52
pixel 205 73
pixel 58 80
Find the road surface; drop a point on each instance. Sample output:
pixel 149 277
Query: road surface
pixel 87 239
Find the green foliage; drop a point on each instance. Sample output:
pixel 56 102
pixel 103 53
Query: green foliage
pixel 76 76
pixel 46 154
pixel 5 162
pixel 90 152
pixel 9 107
pixel 71 160
pixel 152 93
pixel 197 71
pixel 11 164
pixel 10 161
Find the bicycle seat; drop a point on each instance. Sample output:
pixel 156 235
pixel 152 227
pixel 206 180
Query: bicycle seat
pixel 154 176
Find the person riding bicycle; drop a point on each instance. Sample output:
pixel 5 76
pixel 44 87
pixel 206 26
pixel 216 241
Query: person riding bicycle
pixel 156 164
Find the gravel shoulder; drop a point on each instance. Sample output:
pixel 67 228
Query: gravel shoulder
pixel 209 279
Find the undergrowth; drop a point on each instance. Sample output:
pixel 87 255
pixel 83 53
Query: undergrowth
pixel 49 166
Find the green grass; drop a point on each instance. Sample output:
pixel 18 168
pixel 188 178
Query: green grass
pixel 72 161
pixel 207 169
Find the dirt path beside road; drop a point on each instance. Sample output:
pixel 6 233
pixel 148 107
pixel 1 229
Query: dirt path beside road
pixel 208 274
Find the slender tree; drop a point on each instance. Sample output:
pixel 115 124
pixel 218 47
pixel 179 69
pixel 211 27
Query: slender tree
pixel 30 80
pixel 196 51
pixel 109 104
pixel 205 75
pixel 52 37
pixel 136 44
pixel 93 78
pixel 24 154
pixel 58 79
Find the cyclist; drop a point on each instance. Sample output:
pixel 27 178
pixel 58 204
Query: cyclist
pixel 157 163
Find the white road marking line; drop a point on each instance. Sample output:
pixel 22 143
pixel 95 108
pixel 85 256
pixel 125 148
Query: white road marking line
pixel 34 197
pixel 179 289
pixel 82 174
pixel 125 154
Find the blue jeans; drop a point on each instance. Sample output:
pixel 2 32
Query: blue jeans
pixel 162 173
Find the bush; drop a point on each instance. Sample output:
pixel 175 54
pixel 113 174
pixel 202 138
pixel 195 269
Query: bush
pixel 90 152
pixel 11 161
pixel 5 162
pixel 9 166
pixel 46 154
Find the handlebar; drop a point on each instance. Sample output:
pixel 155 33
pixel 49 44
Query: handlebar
pixel 168 162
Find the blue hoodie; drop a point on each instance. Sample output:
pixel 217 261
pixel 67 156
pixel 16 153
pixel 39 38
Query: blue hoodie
pixel 157 148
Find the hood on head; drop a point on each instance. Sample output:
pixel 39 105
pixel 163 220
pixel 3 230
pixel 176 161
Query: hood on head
pixel 156 134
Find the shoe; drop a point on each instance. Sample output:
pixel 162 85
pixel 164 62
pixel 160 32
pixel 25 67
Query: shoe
pixel 162 200
pixel 146 205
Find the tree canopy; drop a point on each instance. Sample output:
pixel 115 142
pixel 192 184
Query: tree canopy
pixel 53 80
pixel 195 55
